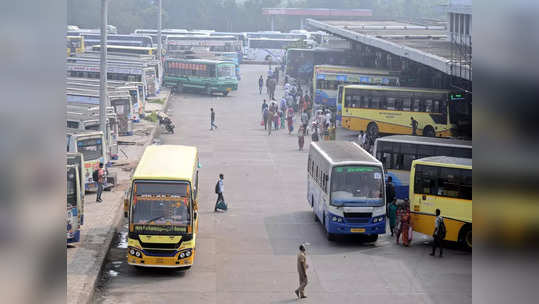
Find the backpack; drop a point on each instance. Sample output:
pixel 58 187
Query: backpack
pixel 314 137
pixel 95 175
pixel 217 188
pixel 442 230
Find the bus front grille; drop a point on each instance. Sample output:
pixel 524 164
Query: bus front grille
pixel 366 215
pixel 163 253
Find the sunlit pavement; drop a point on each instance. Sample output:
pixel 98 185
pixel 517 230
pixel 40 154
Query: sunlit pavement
pixel 248 254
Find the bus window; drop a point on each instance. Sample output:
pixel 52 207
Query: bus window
pixel 425 179
pixel 449 183
pixel 389 104
pixel 398 104
pixel 436 106
pixel 444 151
pixel 364 103
pixel 466 184
pixel 356 101
pixel 428 105
pixel 425 151
pixel 416 107
pixel 406 104
pixel 348 101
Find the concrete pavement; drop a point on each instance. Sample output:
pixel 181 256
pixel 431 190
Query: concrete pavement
pixel 248 254
pixel 85 259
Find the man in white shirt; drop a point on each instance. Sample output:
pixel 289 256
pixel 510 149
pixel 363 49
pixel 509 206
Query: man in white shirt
pixel 438 235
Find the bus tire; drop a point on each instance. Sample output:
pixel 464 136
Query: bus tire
pixel 371 238
pixel 465 236
pixel 225 93
pixel 330 236
pixel 179 88
pixel 372 129
pixel 428 131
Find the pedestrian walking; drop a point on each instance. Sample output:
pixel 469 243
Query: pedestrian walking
pixel 439 233
pixel 301 137
pixel 270 120
pixel 314 136
pixel 405 227
pixel 392 214
pixel 305 122
pixel 212 120
pixel 99 177
pixel 390 192
pixel 282 117
pixel 276 75
pixel 276 119
pixel 398 228
pixel 414 126
pixel 265 116
pixel 290 120
pixel 260 84
pixel 302 272
pixel 219 190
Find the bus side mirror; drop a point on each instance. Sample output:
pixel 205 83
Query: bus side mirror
pixel 195 215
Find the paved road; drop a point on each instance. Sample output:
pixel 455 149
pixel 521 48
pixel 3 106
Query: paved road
pixel 248 254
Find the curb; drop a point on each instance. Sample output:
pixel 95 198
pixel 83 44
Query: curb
pixel 88 297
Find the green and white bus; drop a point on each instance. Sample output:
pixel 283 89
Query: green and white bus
pixel 208 76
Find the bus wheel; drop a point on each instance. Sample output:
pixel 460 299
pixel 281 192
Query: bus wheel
pixel 428 131
pixel 225 93
pixel 330 236
pixel 465 237
pixel 372 130
pixel 371 238
pixel 179 88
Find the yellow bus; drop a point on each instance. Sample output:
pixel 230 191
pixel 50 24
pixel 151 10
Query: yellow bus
pixel 385 109
pixel 140 50
pixel 445 183
pixel 163 208
pixel 75 45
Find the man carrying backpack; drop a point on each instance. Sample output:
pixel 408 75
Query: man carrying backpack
pixel 439 233
pixel 99 177
pixel 219 189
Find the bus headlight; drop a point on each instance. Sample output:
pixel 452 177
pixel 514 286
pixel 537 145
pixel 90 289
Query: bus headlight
pixel 182 255
pixel 188 253
pixel 132 252
pixel 337 219
pixel 137 254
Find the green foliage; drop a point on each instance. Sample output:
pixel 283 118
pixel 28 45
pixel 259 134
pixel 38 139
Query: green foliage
pixel 152 117
pixel 228 15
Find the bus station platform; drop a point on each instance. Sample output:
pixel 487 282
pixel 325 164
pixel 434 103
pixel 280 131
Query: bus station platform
pixel 102 220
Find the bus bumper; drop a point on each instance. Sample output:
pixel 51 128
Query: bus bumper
pixel 352 228
pixel 75 238
pixel 170 261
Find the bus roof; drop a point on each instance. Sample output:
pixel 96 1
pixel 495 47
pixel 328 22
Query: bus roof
pixel 446 160
pixel 197 60
pixel 344 151
pixel 351 69
pixel 145 48
pixel 167 162
pixel 387 88
pixel 435 141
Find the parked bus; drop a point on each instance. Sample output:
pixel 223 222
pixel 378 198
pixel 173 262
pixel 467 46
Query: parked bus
pixel 111 49
pixel 327 78
pixel 397 152
pixel 93 147
pixel 208 76
pixel 345 188
pixel 119 40
pixel 444 183
pixel 75 45
pixel 121 72
pixel 385 109
pixel 163 208
pixel 74 204
pixel 300 62
pixel 77 160
pixel 268 49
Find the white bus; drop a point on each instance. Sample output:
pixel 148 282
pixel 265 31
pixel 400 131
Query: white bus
pixel 346 189
pixel 268 49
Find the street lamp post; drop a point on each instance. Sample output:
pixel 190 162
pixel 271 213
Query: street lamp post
pixel 103 95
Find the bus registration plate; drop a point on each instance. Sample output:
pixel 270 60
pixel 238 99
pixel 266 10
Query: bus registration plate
pixel 159 261
pixel 357 229
pixel 229 89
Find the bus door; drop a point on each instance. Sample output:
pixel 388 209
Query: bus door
pixel 77 159
pixel 113 135
pixel 74 204
pixel 122 107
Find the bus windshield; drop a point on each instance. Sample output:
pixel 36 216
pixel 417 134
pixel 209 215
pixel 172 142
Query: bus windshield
pixel 71 188
pixel 161 204
pixel 357 186
pixel 90 148
pixel 226 70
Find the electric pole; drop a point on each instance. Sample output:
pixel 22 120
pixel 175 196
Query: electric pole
pixel 103 95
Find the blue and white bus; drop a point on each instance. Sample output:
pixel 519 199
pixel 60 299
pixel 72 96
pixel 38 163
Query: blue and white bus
pixel 346 189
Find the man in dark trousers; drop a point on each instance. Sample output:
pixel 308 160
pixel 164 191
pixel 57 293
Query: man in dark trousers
pixel 414 126
pixel 260 84
pixel 212 120
pixel 100 182
pixel 302 271
pixel 390 192
pixel 220 188
pixel 439 234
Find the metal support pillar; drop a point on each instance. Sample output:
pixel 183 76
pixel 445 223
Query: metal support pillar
pixel 103 94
